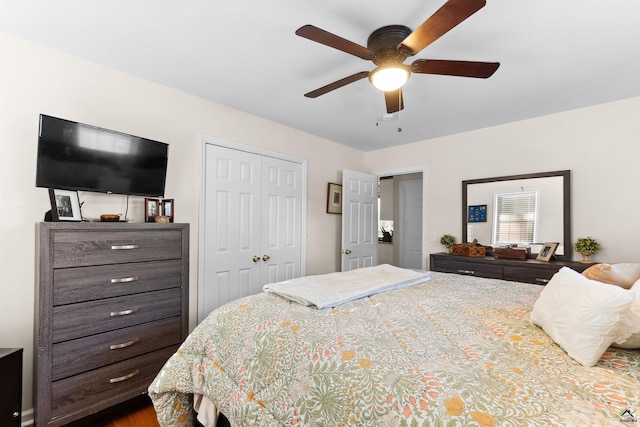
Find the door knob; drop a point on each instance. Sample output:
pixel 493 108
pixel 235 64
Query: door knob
pixel 347 251
pixel 256 258
pixel 265 257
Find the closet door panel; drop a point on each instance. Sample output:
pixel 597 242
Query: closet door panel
pixel 232 226
pixel 281 219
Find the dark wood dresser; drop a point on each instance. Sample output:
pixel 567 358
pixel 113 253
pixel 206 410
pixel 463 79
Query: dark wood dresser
pixel 528 271
pixel 111 307
pixel 11 390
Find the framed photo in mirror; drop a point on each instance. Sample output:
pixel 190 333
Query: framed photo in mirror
pixel 478 213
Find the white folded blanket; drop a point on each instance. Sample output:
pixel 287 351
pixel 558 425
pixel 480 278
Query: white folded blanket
pixel 333 289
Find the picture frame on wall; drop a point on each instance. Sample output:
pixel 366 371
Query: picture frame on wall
pixel 547 251
pixel 477 213
pixel 65 205
pixel 167 208
pixel 334 198
pixel 151 209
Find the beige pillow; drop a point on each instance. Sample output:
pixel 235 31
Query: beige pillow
pixel 623 274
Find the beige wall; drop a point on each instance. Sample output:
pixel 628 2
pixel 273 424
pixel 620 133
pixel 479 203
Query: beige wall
pixel 600 145
pixel 35 80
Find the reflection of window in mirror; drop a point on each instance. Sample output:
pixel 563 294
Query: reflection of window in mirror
pixel 515 218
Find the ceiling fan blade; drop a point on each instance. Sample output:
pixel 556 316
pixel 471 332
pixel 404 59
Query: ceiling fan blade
pixel 326 38
pixel 444 19
pixel 337 84
pixel 394 101
pixel 480 70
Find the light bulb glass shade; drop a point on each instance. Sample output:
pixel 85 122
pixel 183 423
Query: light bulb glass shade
pixel 389 78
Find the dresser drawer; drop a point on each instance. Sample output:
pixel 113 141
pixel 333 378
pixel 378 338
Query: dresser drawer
pixel 539 275
pixel 88 318
pixel 83 354
pixel 95 390
pixel 79 284
pixel 461 266
pixel 83 248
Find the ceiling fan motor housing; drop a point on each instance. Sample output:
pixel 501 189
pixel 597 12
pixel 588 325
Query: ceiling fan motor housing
pixel 384 42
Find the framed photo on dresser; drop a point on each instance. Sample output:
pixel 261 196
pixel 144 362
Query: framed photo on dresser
pixel 547 251
pixel 65 205
pixel 151 209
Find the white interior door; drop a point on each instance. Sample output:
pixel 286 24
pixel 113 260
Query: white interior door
pixel 359 220
pixel 281 214
pixel 410 225
pixel 252 226
pixel 232 227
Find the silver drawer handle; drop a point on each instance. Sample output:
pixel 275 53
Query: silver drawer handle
pixel 126 279
pixel 124 344
pixel 124 312
pixel 542 280
pixel 124 377
pixel 124 247
pixel 466 271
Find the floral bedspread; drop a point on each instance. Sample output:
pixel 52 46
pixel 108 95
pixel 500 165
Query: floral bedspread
pixel 453 351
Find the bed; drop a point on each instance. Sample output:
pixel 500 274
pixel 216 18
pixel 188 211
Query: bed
pixel 450 350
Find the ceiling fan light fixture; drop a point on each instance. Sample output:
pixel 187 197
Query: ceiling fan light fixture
pixel 390 77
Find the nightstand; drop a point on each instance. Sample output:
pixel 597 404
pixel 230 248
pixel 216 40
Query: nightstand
pixel 11 390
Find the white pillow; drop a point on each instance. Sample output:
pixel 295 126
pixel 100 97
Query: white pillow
pixel 633 341
pixel 584 316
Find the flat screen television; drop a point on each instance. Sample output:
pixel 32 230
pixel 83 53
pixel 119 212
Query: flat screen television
pixel 76 156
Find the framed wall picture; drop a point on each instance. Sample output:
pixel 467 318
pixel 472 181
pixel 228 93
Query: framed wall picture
pixel 547 251
pixel 334 198
pixel 151 209
pixel 477 213
pixel 167 208
pixel 65 205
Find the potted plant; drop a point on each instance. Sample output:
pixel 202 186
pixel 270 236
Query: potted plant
pixel 586 246
pixel 447 241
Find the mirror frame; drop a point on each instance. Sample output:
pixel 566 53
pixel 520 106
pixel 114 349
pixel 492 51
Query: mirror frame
pixel 566 204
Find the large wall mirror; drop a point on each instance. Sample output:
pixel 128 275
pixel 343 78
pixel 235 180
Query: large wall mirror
pixel 527 210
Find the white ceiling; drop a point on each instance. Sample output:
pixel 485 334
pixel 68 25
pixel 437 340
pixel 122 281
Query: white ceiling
pixel 555 55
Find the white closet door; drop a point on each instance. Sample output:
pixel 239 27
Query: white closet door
pixel 359 220
pixel 232 227
pixel 281 220
pixel 253 224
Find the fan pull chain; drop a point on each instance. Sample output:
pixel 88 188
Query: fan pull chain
pixel 376 93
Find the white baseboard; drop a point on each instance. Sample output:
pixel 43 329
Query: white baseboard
pixel 27 418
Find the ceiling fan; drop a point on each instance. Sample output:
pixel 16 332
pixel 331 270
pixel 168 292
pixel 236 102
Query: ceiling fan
pixel 389 46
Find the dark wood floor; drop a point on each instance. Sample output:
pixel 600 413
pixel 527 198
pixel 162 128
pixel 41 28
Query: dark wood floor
pixel 138 412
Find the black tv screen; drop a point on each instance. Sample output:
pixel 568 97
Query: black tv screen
pixel 76 156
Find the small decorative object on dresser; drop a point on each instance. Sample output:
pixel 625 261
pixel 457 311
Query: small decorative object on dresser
pixel 65 205
pixel 547 251
pixel 167 209
pixel 512 252
pixel 447 241
pixel 586 246
pixel 469 249
pixel 151 209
